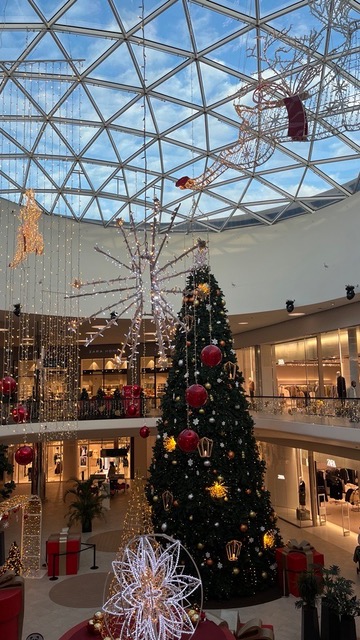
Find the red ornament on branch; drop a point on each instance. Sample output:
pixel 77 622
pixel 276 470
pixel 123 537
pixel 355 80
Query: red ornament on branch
pixel 144 432
pixel 8 385
pixel 188 440
pixel 24 455
pixel 132 410
pixel 211 355
pixel 20 414
pixel 196 396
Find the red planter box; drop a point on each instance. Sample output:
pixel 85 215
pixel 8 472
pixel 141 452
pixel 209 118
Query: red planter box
pixel 64 564
pixel 290 564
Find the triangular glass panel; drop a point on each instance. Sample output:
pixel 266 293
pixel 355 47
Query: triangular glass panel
pixel 247 9
pixel 46 200
pixel 15 168
pixel 13 43
pixel 192 134
pixel 133 118
pixel 92 213
pixel 168 114
pixel 184 85
pixel 61 208
pixel 51 144
pixel 77 136
pixel 25 132
pixel 36 179
pixel 118 67
pixel 131 13
pixel 288 181
pixel 313 185
pixel 77 180
pixel 43 84
pixel 232 191
pixel 7 146
pixel 210 26
pixel 76 202
pixel 48 7
pixel 219 84
pixel 149 158
pixel 14 102
pixel 127 144
pixel 109 100
pixel 175 156
pixel 78 106
pixel 45 49
pixel 85 50
pixel 108 207
pixel 158 64
pixel 79 14
pixel 169 27
pixel 20 11
pixel 6 185
pixel 98 174
pixel 101 149
pixel 259 192
pixel 341 171
pixel 56 168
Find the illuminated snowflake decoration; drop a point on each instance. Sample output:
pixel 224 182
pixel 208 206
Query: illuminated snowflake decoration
pixel 144 247
pixel 153 593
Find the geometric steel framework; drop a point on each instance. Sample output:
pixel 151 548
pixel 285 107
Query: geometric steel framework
pixel 97 133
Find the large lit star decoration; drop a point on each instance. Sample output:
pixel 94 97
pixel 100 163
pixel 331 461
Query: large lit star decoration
pixel 144 248
pixel 29 238
pixel 153 592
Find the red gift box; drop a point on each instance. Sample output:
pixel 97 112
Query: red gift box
pixel 69 545
pixel 292 560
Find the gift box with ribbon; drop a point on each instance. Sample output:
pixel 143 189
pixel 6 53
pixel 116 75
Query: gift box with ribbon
pixel 294 558
pixel 61 552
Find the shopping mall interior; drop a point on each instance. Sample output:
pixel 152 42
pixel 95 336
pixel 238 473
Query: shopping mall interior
pixel 139 141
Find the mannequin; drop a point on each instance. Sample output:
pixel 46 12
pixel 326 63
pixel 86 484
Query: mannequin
pixel 341 386
pixel 302 493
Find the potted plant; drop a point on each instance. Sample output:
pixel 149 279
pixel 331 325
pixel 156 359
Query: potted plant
pixel 341 606
pixel 86 504
pixel 310 587
pixel 330 618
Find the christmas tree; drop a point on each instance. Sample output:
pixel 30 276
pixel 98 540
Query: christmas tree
pixel 206 482
pixel 13 561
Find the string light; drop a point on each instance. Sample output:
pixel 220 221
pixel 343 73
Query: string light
pixel 29 239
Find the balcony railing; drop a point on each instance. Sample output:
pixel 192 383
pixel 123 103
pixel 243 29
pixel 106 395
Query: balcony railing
pixel 341 411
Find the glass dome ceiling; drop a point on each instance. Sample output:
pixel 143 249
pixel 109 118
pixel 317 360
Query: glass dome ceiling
pixel 105 105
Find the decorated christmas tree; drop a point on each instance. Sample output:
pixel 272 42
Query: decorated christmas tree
pixel 206 482
pixel 13 561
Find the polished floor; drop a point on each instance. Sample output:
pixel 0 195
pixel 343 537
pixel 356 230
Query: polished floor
pixel 44 617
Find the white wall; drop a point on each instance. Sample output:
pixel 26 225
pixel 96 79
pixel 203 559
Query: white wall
pixel 257 268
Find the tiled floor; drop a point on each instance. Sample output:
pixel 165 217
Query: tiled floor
pixel 51 620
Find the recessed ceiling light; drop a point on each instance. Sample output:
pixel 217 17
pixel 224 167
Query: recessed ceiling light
pixel 3 330
pixel 98 326
pixel 243 323
pixel 292 315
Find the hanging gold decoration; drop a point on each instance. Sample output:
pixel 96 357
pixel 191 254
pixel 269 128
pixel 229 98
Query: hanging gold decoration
pixel 218 490
pixel 205 446
pixel 29 239
pixel 168 499
pixel 170 444
pixel 233 549
pixel 269 539
pixel 202 290
pixel 230 369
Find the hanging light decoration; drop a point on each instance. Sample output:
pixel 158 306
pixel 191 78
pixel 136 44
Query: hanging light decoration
pixel 205 446
pixel 269 539
pixel 24 455
pixel 168 499
pixel 169 444
pixel 233 549
pixel 29 238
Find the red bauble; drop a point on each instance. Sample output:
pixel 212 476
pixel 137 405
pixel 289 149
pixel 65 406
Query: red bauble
pixel 211 355
pixel 144 432
pixel 24 455
pixel 196 396
pixel 132 410
pixel 8 385
pixel 20 414
pixel 188 440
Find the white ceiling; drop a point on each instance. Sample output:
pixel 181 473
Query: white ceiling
pixel 104 105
